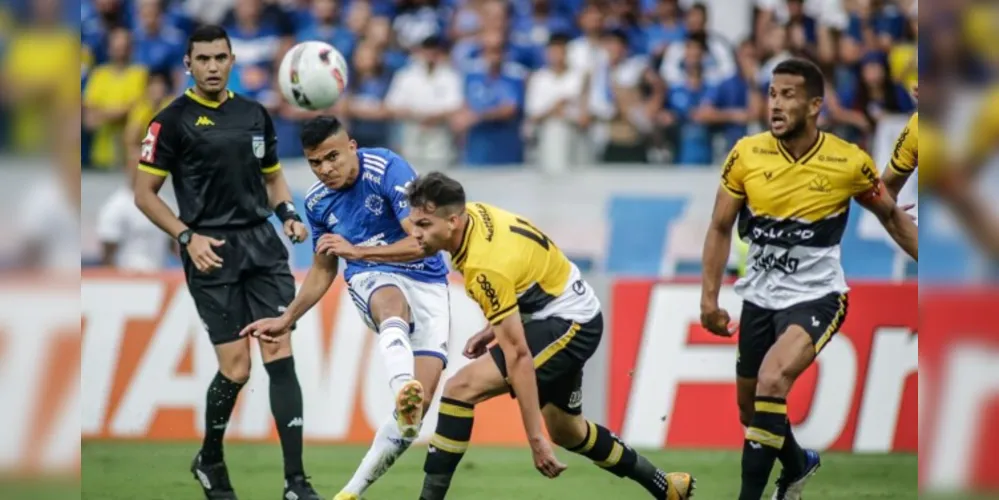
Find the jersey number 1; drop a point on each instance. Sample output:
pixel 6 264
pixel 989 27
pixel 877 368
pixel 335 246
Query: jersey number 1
pixel 530 232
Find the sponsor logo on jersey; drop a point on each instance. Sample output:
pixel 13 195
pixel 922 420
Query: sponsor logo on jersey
pixel 576 399
pixel 370 177
pixel 374 241
pixel 488 292
pixel 833 159
pixel 315 199
pixel 374 204
pixel 820 184
pixel 331 220
pixel 204 121
pixel 727 169
pixel 487 221
pixel 764 151
pixel 148 152
pixel 259 147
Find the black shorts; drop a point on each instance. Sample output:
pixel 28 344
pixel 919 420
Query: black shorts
pixel 255 281
pixel 560 348
pixel 759 328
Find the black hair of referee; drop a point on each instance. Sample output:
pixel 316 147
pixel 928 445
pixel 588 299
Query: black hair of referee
pixel 220 150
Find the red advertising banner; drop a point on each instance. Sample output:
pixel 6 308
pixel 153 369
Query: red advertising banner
pixel 673 384
pixel 959 388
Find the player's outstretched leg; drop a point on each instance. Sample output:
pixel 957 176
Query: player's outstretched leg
pixel 208 466
pixel 769 426
pixel 473 384
pixel 389 443
pixel 286 407
pixel 609 452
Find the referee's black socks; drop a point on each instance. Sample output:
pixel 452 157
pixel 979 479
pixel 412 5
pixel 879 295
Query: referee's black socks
pixel 765 438
pixel 286 406
pixel 609 452
pixel 220 401
pixel 450 441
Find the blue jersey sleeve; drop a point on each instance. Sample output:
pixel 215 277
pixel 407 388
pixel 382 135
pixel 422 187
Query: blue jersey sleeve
pixel 317 224
pixel 396 180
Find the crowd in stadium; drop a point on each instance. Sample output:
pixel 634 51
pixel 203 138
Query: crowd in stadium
pixel 493 82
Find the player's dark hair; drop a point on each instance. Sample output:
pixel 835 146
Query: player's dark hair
pixel 208 33
pixel 317 130
pixel 815 83
pixel 435 189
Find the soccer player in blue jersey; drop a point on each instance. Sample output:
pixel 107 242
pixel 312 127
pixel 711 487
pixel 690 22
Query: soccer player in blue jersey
pixel 358 211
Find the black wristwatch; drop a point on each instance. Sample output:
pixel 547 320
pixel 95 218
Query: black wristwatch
pixel 185 237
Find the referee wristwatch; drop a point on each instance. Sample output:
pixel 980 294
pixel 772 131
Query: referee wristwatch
pixel 184 238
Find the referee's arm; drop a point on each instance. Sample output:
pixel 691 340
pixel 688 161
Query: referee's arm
pixel 278 193
pixel 156 158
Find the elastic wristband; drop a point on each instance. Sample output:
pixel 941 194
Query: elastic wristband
pixel 286 211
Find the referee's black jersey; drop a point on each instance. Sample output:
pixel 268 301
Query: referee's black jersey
pixel 217 155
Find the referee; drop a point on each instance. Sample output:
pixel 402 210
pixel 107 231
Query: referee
pixel 221 151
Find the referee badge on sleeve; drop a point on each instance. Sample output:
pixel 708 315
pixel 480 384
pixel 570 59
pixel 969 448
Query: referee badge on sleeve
pixel 259 147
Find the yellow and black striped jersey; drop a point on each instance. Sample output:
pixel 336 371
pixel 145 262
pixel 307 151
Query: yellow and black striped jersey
pixel 509 266
pixel 796 213
pixel 905 156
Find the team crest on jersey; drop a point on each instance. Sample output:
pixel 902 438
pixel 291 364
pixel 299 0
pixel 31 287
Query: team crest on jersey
pixel 375 204
pixel 259 147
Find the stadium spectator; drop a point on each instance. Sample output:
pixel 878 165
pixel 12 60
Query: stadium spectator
pixel 733 105
pixel 34 82
pixel 667 29
pixel 466 21
pixel 112 90
pixel 490 120
pixel 875 94
pixel 159 93
pixel 552 108
pixel 618 115
pixel 260 34
pixel 417 20
pixel 364 104
pixel 358 16
pixel 718 62
pixel 422 97
pixel 324 25
pixel 531 33
pixel 158 45
pixel 97 19
pixel 687 103
pixel 379 34
pixel 129 241
pixel 586 51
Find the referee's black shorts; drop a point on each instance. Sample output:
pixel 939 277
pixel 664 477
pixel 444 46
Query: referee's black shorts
pixel 255 281
pixel 560 349
pixel 760 327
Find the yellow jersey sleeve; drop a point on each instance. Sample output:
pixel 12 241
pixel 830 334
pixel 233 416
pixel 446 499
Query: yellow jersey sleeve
pixel 494 293
pixel 734 173
pixel 866 179
pixel 905 157
pixel 984 130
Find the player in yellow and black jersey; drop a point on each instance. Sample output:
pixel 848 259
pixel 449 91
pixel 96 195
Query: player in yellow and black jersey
pixel 546 322
pixel 793 186
pixel 904 158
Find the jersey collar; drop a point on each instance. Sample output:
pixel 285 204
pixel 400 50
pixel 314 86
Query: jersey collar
pixel 459 257
pixel 811 152
pixel 206 102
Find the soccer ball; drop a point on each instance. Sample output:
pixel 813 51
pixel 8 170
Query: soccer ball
pixel 313 75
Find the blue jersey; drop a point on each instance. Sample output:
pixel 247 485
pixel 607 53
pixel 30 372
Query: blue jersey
pixel 369 212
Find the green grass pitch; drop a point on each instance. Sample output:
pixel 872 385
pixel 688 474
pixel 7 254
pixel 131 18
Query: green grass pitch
pixel 151 471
